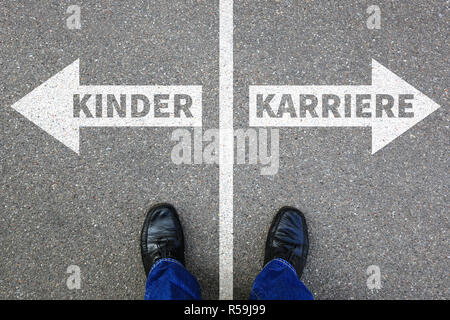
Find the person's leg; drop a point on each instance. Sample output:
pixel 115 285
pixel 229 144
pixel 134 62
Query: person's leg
pixel 162 249
pixel 279 281
pixel 169 280
pixel 285 257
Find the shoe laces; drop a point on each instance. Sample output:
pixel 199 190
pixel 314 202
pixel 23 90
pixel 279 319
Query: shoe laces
pixel 165 246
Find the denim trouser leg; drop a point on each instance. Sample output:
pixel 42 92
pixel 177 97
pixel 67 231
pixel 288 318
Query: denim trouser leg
pixel 169 280
pixel 279 281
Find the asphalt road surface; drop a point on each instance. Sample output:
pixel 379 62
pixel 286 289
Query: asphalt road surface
pixel 390 209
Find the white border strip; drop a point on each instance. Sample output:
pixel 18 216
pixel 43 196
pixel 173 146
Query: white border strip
pixel 226 150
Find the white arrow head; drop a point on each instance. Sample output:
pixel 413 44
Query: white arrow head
pixel 385 130
pixel 49 106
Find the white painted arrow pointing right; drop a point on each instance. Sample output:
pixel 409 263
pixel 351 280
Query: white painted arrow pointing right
pixel 385 130
pixel 275 100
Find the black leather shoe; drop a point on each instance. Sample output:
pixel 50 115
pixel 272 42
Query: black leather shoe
pixel 288 239
pixel 161 236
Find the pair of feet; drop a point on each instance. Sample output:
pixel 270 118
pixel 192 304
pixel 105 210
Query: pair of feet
pixel 162 237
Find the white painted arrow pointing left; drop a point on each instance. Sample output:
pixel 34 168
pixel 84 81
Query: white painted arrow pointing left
pixel 50 106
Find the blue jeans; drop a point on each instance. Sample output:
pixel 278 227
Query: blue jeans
pixel 169 280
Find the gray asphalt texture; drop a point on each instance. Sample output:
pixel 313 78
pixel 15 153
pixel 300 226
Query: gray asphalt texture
pixel 58 209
